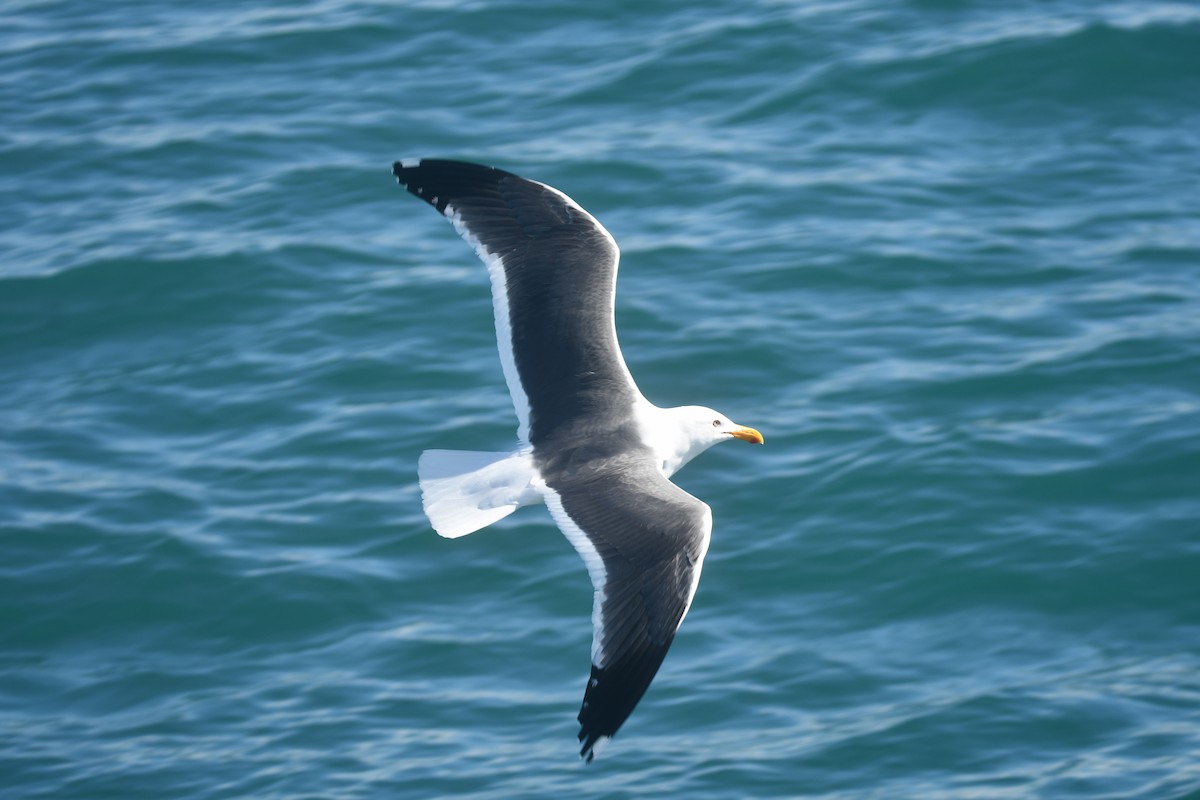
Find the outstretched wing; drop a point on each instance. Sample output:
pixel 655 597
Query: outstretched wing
pixel 643 540
pixel 553 270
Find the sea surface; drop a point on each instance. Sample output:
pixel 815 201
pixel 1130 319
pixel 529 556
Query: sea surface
pixel 945 255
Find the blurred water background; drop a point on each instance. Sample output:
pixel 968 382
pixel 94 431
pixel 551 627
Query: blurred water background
pixel 944 254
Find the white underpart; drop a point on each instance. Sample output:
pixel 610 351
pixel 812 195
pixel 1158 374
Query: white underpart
pixel 595 566
pixel 495 268
pixel 463 491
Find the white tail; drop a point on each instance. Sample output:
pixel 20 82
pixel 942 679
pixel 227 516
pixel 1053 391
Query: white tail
pixel 465 490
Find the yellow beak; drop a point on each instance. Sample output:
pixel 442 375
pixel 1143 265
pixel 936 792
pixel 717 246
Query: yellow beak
pixel 747 435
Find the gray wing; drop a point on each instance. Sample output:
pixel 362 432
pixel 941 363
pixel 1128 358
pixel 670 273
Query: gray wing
pixel 643 540
pixel 553 269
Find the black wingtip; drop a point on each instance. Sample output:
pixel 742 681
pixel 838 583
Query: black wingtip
pixel 404 165
pixel 413 173
pixel 613 692
pixel 442 182
pixel 591 741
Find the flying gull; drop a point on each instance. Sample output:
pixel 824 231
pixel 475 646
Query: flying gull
pixel 590 446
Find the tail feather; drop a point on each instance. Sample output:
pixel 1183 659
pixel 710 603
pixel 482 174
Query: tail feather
pixel 465 490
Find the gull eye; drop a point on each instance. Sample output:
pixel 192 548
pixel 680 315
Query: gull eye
pixel 716 423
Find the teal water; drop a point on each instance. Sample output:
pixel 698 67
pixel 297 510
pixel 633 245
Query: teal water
pixel 945 255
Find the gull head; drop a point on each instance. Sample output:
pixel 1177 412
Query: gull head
pixel 687 431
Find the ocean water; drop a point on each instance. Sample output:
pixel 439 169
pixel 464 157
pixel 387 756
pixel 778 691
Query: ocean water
pixel 944 254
